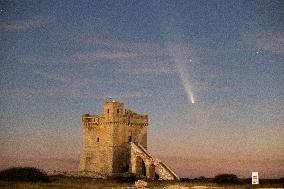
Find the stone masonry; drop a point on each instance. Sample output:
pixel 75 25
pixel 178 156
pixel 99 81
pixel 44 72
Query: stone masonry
pixel 115 143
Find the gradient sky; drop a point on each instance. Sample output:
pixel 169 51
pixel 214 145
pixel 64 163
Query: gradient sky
pixel 60 59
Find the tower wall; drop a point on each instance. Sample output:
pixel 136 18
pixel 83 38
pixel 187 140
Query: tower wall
pixel 97 146
pixel 121 153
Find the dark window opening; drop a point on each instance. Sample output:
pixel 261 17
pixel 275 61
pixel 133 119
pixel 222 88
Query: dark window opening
pixel 98 139
pixel 117 110
pixel 130 139
pixel 107 110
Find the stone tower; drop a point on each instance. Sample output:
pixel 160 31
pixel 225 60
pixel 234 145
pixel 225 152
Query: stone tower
pixel 115 143
pixel 106 139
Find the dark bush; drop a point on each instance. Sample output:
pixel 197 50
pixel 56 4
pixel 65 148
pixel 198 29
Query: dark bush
pixel 246 181
pixel 226 179
pixel 271 181
pixel 24 174
pixel 264 181
pixel 184 179
pixel 202 179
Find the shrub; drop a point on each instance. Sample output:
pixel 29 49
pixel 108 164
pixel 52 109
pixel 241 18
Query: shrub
pixel 246 181
pixel 226 179
pixel 184 179
pixel 24 174
pixel 202 179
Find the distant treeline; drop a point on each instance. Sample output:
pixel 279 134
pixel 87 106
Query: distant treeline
pixel 231 179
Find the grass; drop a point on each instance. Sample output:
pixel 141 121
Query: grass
pixel 89 183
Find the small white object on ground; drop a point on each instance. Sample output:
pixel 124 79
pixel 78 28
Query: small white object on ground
pixel 141 184
pixel 199 187
pixel 176 187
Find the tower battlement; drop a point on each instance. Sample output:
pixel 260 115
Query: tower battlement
pixel 115 113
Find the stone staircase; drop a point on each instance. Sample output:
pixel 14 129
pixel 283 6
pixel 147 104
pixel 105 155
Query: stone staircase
pixel 164 172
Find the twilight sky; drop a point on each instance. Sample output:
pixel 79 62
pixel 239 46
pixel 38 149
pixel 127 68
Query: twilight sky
pixel 60 59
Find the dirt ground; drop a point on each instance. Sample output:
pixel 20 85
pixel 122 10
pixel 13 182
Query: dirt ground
pixel 87 183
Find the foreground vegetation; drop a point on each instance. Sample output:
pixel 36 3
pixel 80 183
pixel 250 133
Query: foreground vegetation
pixel 24 174
pixel 35 181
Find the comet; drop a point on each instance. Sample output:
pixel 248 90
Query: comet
pixel 179 58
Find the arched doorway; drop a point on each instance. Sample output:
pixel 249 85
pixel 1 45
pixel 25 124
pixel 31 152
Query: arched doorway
pixel 140 167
